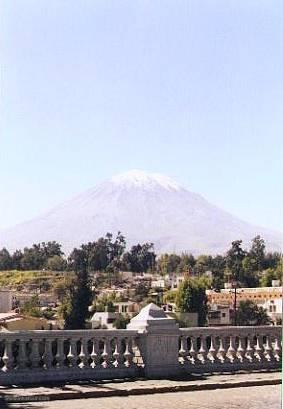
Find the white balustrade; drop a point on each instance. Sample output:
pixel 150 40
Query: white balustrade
pixel 230 348
pixel 38 356
pixel 153 345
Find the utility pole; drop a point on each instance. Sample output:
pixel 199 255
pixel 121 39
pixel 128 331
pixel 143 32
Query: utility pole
pixel 234 286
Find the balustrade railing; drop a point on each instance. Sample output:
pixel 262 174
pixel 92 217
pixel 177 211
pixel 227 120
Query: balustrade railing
pixel 61 355
pixel 229 348
pixel 155 350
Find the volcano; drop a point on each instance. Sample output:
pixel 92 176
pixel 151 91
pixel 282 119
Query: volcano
pixel 144 207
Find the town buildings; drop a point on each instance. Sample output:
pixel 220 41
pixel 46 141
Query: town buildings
pixel 270 298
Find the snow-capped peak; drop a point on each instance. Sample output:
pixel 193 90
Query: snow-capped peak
pixel 141 178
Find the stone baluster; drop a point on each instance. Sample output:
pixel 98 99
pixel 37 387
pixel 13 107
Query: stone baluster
pixel 105 354
pixel 231 352
pixel 202 352
pixel 116 353
pixel 48 355
pixel 240 350
pixel 183 349
pixel 221 353
pixel 249 349
pixel 83 355
pixel 73 353
pixel 212 350
pixel 60 357
pixel 128 352
pixel 276 349
pixel 95 354
pixel 267 349
pixel 259 348
pixel 22 356
pixel 193 350
pixel 120 351
pixel 8 358
pixel 35 357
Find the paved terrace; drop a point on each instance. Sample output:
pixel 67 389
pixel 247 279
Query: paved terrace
pixel 258 397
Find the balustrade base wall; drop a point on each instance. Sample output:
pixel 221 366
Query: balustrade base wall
pixel 38 357
pixel 40 376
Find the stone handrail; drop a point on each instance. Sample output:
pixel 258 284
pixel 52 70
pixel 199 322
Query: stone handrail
pixel 230 348
pixel 45 355
pixel 152 346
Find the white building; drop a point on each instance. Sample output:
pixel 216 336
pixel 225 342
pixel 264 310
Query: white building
pixel 126 307
pixel 6 300
pixel 158 283
pixel 270 298
pixel 103 320
pixel 219 315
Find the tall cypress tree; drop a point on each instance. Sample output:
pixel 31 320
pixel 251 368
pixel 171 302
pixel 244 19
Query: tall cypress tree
pixel 76 311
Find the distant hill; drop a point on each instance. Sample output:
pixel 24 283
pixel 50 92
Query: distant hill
pixel 144 207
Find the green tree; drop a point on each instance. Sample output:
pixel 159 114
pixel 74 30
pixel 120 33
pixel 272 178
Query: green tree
pixel 56 263
pixel 121 322
pixel 249 313
pixel 105 254
pixel 78 298
pixel 36 257
pixel 168 263
pixel 203 264
pixel 271 260
pixel 271 274
pixel 31 307
pixel 16 259
pixel 191 297
pixel 5 260
pixel 140 258
pixel 141 292
pixel 250 275
pixel 234 261
pixel 257 252
pixel 218 268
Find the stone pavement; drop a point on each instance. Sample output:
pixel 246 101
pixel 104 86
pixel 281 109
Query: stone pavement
pixel 135 387
pixel 254 397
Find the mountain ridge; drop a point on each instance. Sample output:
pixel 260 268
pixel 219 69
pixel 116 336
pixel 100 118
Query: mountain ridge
pixel 144 207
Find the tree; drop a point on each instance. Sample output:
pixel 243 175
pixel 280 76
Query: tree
pixel 191 297
pixel 168 263
pixel 249 313
pixel 218 268
pixel 36 257
pixel 5 260
pixel 31 307
pixel 257 252
pixel 141 292
pixel 75 306
pixel 250 276
pixel 62 288
pixel 105 303
pixel 121 322
pixel 234 259
pixel 271 260
pixel 105 254
pixel 16 259
pixel 56 263
pixel 140 258
pixel 272 274
pixel 203 264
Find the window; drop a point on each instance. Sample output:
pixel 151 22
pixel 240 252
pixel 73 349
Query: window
pixel 223 314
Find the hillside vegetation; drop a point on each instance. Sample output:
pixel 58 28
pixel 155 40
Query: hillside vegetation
pixel 15 279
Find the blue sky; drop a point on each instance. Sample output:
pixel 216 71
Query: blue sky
pixel 192 89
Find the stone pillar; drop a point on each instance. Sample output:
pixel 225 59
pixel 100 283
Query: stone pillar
pixel 158 342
